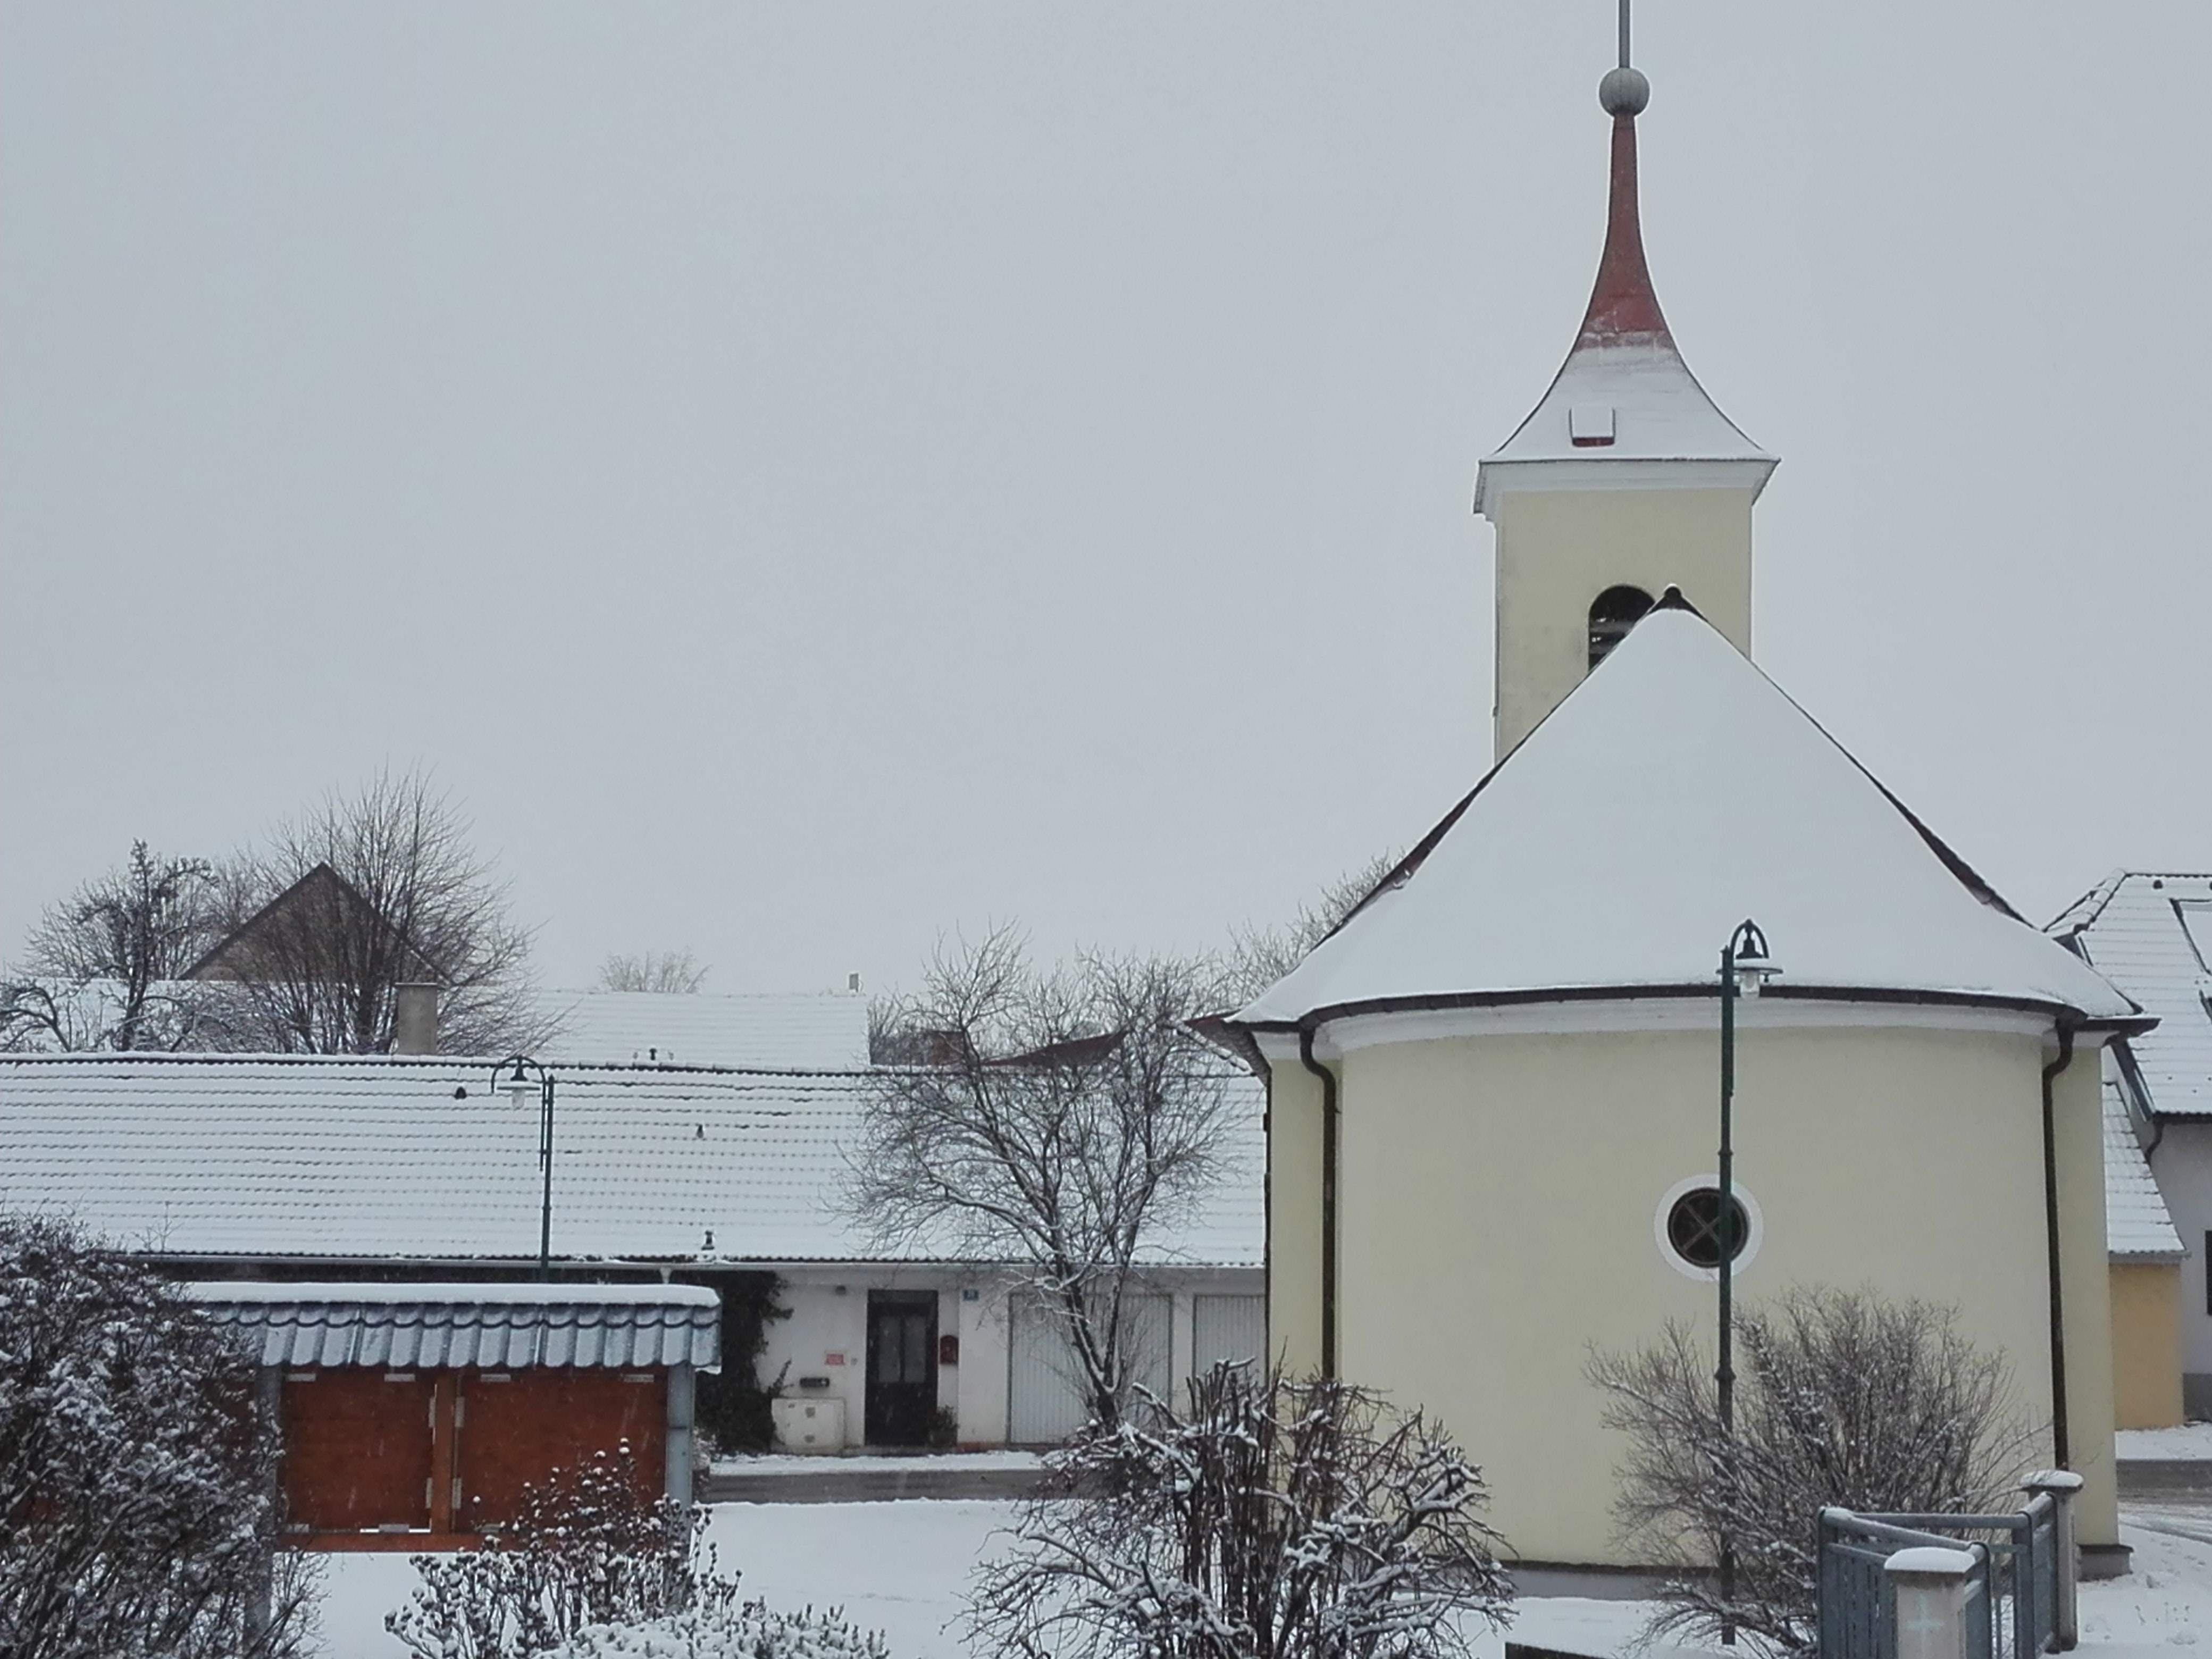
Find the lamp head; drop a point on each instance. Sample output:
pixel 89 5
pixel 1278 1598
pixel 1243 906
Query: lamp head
pixel 1753 965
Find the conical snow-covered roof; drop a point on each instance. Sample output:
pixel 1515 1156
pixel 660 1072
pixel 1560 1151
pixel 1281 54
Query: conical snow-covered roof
pixel 1624 394
pixel 1674 793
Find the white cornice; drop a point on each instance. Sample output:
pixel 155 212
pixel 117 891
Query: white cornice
pixel 1496 479
pixel 1628 1014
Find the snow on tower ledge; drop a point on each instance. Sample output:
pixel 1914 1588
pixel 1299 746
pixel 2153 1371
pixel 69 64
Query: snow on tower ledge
pixel 1624 400
pixel 1675 791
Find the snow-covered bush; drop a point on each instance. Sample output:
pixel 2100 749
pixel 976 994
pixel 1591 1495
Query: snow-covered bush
pixel 1841 1398
pixel 137 1482
pixel 1281 1520
pixel 587 1558
pixel 748 1631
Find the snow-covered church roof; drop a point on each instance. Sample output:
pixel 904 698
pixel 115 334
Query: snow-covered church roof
pixel 1624 395
pixel 1674 793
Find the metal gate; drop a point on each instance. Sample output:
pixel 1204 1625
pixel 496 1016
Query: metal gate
pixel 2013 1595
pixel 1044 1401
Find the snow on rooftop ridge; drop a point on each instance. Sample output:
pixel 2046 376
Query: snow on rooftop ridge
pixel 450 1292
pixel 1673 793
pixel 1623 393
pixel 2138 1227
pixel 2142 929
pixel 804 1031
pixel 369 1159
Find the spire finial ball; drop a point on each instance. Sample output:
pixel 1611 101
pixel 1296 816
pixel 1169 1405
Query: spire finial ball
pixel 1623 91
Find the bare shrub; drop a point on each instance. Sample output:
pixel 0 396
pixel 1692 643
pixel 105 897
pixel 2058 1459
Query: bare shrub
pixel 138 1511
pixel 1060 1121
pixel 1842 1398
pixel 654 971
pixel 1258 956
pixel 584 1549
pixel 1281 1520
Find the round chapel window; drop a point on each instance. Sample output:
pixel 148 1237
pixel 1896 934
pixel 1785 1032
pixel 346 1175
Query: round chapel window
pixel 1697 1232
pixel 1691 1232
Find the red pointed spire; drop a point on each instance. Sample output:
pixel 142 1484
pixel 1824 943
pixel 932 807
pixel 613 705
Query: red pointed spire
pixel 1623 306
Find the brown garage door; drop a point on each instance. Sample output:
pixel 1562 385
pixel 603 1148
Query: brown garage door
pixel 358 1449
pixel 517 1428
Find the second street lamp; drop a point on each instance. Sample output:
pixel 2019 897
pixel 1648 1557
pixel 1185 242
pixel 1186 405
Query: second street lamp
pixel 1745 965
pixel 527 1075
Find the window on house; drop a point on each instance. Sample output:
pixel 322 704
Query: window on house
pixel 1611 614
pixel 1694 1231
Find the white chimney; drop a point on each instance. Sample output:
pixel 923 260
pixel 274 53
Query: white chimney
pixel 414 1020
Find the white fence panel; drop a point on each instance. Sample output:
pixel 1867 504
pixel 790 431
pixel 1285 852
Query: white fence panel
pixel 1044 1398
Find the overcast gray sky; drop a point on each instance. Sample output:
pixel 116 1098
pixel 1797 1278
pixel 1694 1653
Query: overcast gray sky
pixel 809 476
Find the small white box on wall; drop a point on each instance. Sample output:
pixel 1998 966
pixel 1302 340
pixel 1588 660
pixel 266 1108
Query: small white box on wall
pixel 808 1425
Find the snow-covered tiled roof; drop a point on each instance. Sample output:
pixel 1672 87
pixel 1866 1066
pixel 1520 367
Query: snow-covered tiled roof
pixel 2137 1226
pixel 2135 928
pixel 485 1327
pixel 345 1157
pixel 804 1031
pixel 1672 794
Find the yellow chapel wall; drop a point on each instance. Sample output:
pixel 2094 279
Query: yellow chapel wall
pixel 1559 549
pixel 2146 1345
pixel 1499 1196
pixel 1294 1210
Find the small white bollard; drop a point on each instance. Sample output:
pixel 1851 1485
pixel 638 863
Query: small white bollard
pixel 1929 1587
pixel 2064 1487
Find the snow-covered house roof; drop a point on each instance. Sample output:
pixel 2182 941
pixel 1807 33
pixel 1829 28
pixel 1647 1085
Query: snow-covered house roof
pixel 1673 793
pixel 2138 1227
pixel 1624 396
pixel 2150 933
pixel 484 1326
pixel 802 1031
pixel 365 1159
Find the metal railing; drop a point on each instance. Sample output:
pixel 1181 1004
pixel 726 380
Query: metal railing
pixel 2016 1600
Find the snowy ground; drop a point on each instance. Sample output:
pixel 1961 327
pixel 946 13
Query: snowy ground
pixel 804 1463
pixel 901 1567
pixel 2191 1440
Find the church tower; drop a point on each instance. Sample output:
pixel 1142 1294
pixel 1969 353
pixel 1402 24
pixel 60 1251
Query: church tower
pixel 1625 479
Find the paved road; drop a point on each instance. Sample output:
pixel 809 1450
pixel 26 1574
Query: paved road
pixel 929 1477
pixel 2161 1481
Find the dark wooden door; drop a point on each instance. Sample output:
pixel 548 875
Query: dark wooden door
pixel 357 1451
pixel 901 1400
pixel 518 1428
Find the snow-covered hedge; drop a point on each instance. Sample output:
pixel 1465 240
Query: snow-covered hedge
pixel 747 1632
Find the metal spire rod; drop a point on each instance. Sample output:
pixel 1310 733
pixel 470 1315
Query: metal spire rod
pixel 1624 34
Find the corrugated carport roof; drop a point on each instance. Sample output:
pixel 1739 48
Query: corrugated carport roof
pixel 477 1327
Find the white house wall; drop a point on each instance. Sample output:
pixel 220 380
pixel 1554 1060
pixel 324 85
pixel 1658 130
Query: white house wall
pixel 827 1335
pixel 2183 1166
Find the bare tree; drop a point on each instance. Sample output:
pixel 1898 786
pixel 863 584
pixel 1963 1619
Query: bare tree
pixel 1058 1122
pixel 365 893
pixel 1843 1399
pixel 104 969
pixel 1281 1520
pixel 654 971
pixel 1258 956
pixel 138 1513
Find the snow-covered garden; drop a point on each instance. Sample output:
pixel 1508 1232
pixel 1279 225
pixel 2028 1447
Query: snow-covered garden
pixel 901 1568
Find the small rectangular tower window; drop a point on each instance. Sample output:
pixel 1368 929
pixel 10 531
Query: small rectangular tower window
pixel 1589 426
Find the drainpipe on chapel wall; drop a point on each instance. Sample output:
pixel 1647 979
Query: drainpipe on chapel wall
pixel 2062 1450
pixel 1329 1144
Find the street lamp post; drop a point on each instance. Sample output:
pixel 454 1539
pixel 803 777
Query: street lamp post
pixel 527 1075
pixel 1745 967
